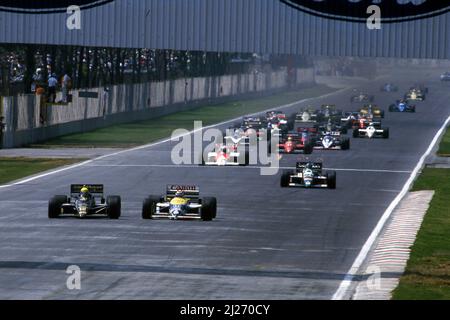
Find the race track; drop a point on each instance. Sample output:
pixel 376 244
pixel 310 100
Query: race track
pixel 266 243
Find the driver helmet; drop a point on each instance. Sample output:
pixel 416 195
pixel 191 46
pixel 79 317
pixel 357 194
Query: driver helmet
pixel 179 194
pixel 84 191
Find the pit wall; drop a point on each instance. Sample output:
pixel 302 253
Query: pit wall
pixel 134 102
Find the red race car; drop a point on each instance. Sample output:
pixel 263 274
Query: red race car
pixel 295 143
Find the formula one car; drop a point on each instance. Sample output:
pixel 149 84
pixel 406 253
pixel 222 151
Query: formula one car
pixel 372 110
pixel 85 200
pixel 332 141
pixel 226 155
pixel 362 97
pixel 328 112
pixel 389 87
pixel 277 120
pixel 415 95
pixel 370 129
pixel 402 106
pixel 295 142
pixel 306 115
pixel 445 76
pixel 420 87
pixel 251 126
pixel 330 126
pixel 308 175
pixel 180 202
pixel 350 119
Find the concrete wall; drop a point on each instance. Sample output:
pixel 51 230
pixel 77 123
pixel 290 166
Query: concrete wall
pixel 133 102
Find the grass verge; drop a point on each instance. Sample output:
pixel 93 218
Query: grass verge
pixel 444 148
pixel 427 274
pixel 15 168
pixel 138 133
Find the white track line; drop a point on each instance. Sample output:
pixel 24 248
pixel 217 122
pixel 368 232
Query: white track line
pixel 342 291
pixel 246 167
pixel 46 174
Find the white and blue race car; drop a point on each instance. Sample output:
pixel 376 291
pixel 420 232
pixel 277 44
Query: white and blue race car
pixel 402 106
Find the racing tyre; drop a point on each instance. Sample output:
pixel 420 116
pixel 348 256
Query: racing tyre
pixel 113 207
pixel 382 114
pixel 201 160
pixel 345 144
pixel 308 148
pixel 290 124
pixel 344 130
pixel 413 109
pixel 355 133
pixel 331 180
pixel 246 159
pixel 386 133
pixel 149 207
pixel 54 206
pixel 209 209
pixel 391 108
pixel 285 179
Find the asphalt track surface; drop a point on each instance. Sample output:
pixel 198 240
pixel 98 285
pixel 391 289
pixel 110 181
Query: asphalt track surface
pixel 266 243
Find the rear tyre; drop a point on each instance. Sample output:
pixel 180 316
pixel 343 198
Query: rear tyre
pixel 113 207
pixel 386 133
pixel 391 108
pixel 356 133
pixel 201 160
pixel 309 147
pixel 149 207
pixel 331 180
pixel 345 144
pixel 54 206
pixel 244 160
pixel 209 209
pixel 382 114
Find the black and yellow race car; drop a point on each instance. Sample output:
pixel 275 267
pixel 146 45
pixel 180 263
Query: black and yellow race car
pixel 85 200
pixel 373 110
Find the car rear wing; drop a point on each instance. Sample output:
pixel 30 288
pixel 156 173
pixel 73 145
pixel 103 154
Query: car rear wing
pixel 191 192
pixel 93 188
pixel 331 133
pixel 315 165
pixel 294 134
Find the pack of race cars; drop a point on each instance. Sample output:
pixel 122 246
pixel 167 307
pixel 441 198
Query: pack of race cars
pixel 310 129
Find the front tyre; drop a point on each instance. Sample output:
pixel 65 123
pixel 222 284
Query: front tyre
pixel 285 179
pixel 54 206
pixel 149 207
pixel 113 207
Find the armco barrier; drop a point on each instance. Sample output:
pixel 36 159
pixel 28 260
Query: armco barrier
pixel 134 102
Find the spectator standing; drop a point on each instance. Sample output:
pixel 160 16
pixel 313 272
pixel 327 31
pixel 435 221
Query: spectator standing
pixel 65 85
pixel 52 82
pixel 2 128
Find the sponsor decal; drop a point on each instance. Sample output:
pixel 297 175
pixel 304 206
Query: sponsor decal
pixel 45 6
pixel 357 10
